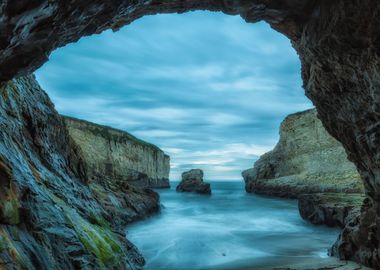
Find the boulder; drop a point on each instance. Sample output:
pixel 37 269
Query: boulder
pixel 192 181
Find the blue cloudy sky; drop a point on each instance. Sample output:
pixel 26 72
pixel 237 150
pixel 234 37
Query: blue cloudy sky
pixel 209 89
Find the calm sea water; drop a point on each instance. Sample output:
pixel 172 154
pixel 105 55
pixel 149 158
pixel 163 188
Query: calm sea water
pixel 228 230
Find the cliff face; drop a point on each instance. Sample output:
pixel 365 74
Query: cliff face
pixel 115 155
pixel 305 160
pixel 51 217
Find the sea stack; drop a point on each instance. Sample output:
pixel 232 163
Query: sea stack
pixel 192 181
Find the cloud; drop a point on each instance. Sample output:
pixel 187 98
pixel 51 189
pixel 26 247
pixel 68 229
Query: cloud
pixel 209 89
pixel 158 133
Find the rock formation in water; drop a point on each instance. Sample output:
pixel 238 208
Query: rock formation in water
pixel 51 215
pixel 192 181
pixel 331 209
pixel 305 160
pixel 115 155
pixel 338 43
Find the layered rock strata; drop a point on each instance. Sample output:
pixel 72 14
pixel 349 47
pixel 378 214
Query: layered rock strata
pixel 115 155
pixel 338 43
pixel 50 216
pixel 192 181
pixel 305 160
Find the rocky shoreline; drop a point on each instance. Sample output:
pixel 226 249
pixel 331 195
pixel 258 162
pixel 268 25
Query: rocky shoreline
pixel 309 165
pixel 52 215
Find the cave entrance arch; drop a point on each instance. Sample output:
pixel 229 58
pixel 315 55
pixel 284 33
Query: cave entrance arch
pixel 176 89
pixel 337 41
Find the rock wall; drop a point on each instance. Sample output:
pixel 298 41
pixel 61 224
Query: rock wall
pixel 331 209
pixel 115 155
pixel 51 217
pixel 305 160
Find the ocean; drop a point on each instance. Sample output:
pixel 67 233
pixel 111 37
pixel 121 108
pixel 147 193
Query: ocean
pixel 228 230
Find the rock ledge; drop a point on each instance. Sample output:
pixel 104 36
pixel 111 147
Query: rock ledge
pixel 331 209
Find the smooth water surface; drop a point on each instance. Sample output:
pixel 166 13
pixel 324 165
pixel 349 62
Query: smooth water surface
pixel 227 230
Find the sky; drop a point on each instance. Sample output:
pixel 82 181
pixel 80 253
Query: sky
pixel 207 88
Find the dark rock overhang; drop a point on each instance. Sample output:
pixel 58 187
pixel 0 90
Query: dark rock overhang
pixel 31 29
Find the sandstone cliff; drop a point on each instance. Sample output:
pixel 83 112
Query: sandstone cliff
pixel 51 217
pixel 115 155
pixel 305 160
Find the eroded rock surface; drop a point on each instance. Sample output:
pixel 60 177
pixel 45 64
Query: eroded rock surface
pixel 192 181
pixel 305 160
pixel 50 217
pixel 358 240
pixel 113 155
pixel 331 209
pixel 338 43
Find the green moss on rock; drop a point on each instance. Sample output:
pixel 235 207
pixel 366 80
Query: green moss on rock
pixel 97 239
pixel 2 243
pixel 9 246
pixel 100 241
pixel 9 206
pixel 11 212
pixel 96 219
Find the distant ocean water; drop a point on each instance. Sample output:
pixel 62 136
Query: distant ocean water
pixel 228 230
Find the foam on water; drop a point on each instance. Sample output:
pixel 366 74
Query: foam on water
pixel 199 232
